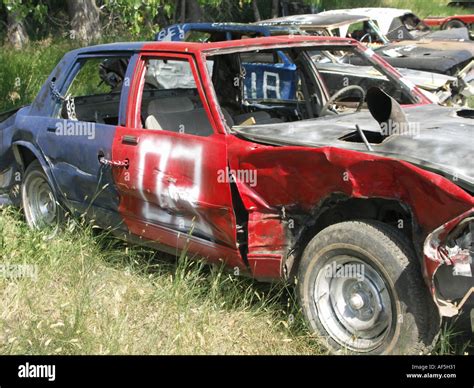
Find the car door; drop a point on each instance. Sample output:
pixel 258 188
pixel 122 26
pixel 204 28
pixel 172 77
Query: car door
pixel 174 190
pixel 81 130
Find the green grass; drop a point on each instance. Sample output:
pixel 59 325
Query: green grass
pixel 96 295
pixel 23 72
pixel 454 339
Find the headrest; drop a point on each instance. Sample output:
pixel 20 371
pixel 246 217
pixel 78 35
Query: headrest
pixel 170 105
pixel 228 118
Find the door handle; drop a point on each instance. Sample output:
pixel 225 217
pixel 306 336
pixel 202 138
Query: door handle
pixel 130 139
pixel 52 129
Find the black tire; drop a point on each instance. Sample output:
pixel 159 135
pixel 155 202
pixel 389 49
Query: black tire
pixel 15 195
pixel 392 304
pixel 455 23
pixel 39 201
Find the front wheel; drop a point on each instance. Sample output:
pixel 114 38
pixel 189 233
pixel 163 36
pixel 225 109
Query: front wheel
pixel 361 290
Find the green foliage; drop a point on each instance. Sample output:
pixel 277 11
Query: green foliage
pixel 33 13
pixel 135 15
pixel 22 73
pixel 87 82
pixel 143 18
pixel 23 9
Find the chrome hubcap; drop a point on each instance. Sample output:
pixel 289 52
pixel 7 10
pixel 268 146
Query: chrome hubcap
pixel 356 301
pixel 353 303
pixel 40 204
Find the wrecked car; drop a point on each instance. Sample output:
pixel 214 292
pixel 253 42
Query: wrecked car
pixel 402 24
pixel 462 4
pixel 449 22
pixel 357 190
pixel 414 45
pixel 444 68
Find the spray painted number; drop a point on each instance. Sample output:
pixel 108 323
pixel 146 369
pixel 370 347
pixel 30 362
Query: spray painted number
pixel 270 85
pixel 166 191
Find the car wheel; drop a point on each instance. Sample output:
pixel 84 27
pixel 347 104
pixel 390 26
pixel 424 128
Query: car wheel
pixel 39 202
pixel 361 290
pixel 454 24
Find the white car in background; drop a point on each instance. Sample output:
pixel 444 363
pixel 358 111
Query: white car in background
pixel 402 24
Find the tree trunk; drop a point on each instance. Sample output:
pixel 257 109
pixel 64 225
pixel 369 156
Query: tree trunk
pixel 175 11
pixel 256 12
pixel 275 8
pixel 182 17
pixel 85 22
pixel 16 33
pixel 194 11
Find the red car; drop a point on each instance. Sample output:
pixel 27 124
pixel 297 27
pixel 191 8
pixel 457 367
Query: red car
pixel 357 189
pixel 447 22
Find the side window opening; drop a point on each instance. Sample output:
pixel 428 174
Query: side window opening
pixel 336 32
pixel 94 93
pixel 413 22
pixel 364 32
pixel 170 99
pixel 286 85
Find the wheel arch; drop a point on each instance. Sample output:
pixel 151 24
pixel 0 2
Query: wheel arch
pixel 25 153
pixel 454 19
pixel 339 208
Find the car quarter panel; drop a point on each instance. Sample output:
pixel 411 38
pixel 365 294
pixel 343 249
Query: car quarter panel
pixel 293 183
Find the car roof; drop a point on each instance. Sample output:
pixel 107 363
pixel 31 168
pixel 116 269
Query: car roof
pixel 315 20
pixel 239 27
pixel 183 47
pixel 169 33
pixel 383 16
pixel 371 12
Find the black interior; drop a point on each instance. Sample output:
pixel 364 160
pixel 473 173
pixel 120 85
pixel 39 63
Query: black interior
pixel 355 137
pixel 229 76
pixel 100 108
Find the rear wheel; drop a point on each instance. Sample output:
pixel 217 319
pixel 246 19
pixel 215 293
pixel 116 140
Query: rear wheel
pixel 39 202
pixel 361 289
pixel 455 23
